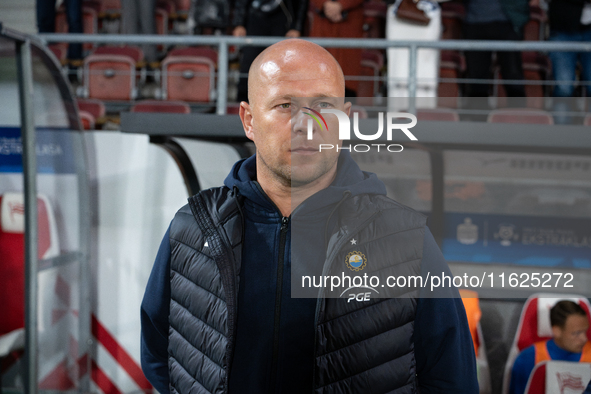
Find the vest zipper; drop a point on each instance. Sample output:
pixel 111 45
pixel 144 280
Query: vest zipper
pixel 278 295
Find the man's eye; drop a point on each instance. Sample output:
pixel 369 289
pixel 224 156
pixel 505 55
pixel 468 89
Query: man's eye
pixel 284 105
pixel 324 105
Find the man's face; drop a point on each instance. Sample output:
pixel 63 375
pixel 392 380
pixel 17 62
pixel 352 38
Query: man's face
pixel 573 335
pixel 279 127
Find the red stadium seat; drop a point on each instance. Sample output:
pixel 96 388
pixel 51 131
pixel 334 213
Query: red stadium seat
pixel 558 377
pixel 165 14
pixel 177 107
pixel 90 11
pixel 520 116
pixel 134 52
pixel 536 67
pixel 161 21
pixel 537 380
pixel 196 51
pixel 110 73
pixel 438 114
pixel 188 77
pixel 93 106
pixel 183 5
pixel 87 120
pixel 12 270
pixel 110 9
pixel 60 51
pixel 451 65
pixel 372 62
pixel 534 325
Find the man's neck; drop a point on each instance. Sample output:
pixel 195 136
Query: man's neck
pixel 288 198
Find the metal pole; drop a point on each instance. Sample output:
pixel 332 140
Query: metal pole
pixel 222 78
pixel 412 78
pixel 25 83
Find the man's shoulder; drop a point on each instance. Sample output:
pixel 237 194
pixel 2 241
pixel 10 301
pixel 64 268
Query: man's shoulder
pixel 210 197
pixel 219 203
pixel 526 358
pixel 389 207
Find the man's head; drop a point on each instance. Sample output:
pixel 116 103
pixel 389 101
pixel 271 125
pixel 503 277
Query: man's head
pixel 273 119
pixel 569 326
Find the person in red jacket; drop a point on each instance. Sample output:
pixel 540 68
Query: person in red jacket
pixel 569 343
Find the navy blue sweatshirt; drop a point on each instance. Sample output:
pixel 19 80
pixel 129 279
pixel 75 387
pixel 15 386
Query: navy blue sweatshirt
pixel 274 348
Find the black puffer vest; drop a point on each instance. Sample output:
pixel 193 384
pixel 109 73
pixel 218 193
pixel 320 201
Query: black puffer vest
pixel 361 347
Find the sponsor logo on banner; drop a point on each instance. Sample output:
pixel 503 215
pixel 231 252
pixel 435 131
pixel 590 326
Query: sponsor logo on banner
pixel 467 232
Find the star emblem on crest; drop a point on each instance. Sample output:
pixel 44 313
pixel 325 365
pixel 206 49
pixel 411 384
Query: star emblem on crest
pixel 353 241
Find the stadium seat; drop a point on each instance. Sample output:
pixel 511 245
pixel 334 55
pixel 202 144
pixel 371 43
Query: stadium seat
pixel 549 377
pixel 93 106
pixel 195 51
pixel 161 21
pixel 438 114
pixel 372 62
pixel 12 270
pixel 87 120
pixel 90 11
pixel 520 116
pixel 182 6
pixel 110 9
pixel 60 51
pixel 110 73
pixel 177 107
pixel 134 52
pixel 188 74
pixel 473 313
pixel 536 67
pixel 534 325
pixel 451 65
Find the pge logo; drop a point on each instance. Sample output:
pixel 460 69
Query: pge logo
pixel 345 130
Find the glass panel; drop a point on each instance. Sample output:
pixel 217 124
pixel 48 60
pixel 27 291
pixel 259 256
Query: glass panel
pixel 63 231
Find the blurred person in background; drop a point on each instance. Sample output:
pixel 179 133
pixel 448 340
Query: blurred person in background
pixel 569 343
pixel 341 19
pixel 494 20
pixel 138 17
pixel 569 20
pixel 46 24
pixel 268 18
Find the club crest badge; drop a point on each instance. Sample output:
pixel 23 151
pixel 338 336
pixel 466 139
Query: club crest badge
pixel 356 261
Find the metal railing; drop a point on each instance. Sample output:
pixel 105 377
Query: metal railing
pixel 223 42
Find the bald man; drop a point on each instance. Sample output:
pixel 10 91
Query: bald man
pixel 218 315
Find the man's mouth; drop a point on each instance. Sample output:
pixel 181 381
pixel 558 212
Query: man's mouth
pixel 304 150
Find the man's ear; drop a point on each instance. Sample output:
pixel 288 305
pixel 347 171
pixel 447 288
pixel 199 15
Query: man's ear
pixel 348 108
pixel 247 120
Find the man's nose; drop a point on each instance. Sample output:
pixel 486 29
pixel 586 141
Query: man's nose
pixel 299 123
